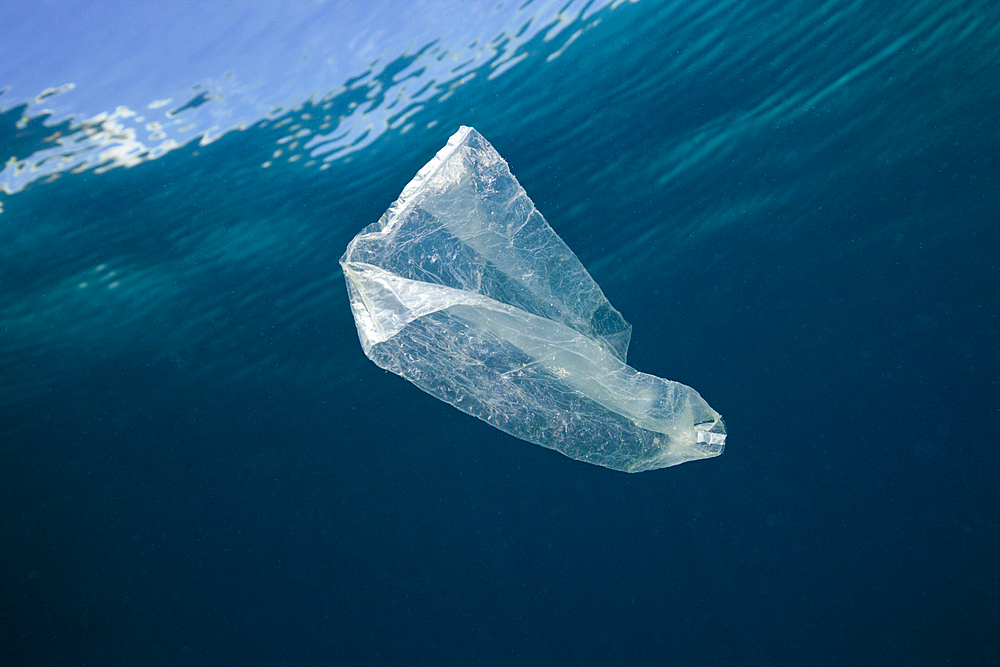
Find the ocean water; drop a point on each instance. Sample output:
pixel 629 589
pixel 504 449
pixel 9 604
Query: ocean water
pixel 794 205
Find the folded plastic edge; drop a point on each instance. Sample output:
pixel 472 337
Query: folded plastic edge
pixel 416 184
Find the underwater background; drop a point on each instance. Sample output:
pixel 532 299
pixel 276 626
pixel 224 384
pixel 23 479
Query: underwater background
pixel 795 204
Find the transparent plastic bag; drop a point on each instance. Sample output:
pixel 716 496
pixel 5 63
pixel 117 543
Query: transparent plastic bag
pixel 463 289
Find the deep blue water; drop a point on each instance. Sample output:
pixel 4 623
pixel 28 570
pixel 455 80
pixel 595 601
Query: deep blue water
pixel 795 206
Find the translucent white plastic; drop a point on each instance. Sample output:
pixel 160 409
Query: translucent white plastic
pixel 463 289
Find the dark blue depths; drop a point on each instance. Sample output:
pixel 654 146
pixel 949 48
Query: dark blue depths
pixel 199 466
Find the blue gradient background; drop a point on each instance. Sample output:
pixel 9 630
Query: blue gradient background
pixel 794 204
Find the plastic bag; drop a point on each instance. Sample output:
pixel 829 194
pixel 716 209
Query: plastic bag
pixel 463 289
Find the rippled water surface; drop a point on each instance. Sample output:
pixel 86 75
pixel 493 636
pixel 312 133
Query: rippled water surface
pixel 794 205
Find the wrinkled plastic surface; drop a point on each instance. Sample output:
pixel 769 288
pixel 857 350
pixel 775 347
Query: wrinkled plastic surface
pixel 463 289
